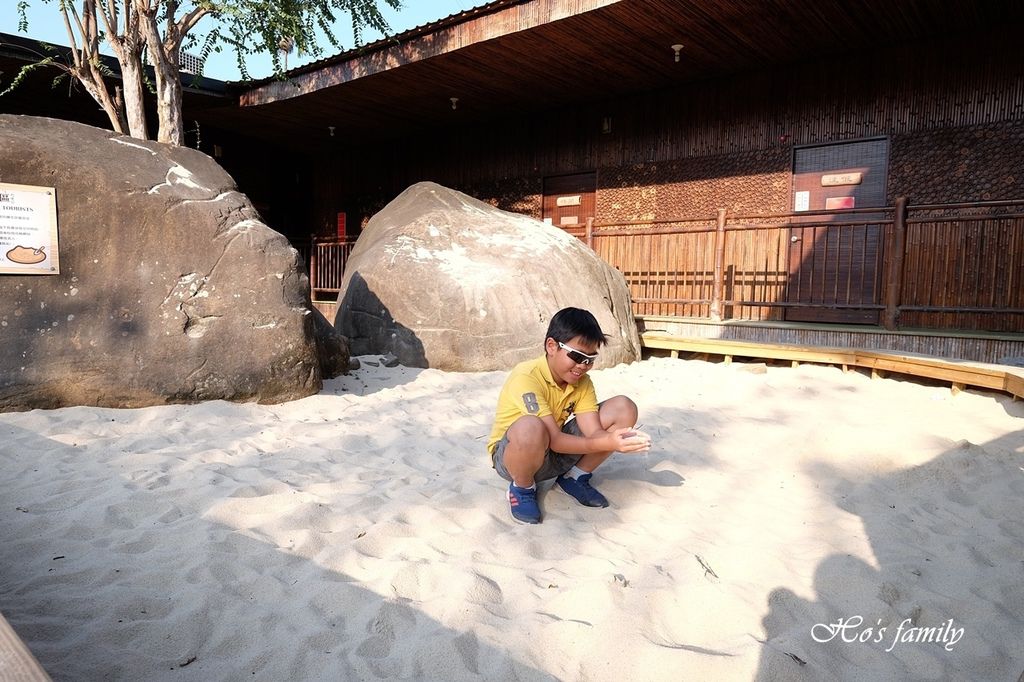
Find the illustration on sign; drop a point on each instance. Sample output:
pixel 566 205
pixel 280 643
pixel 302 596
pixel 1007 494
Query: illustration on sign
pixel 26 255
pixel 28 230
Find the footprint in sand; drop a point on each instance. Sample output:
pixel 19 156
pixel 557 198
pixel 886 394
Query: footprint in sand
pixel 262 489
pixel 468 649
pixel 484 591
pixel 392 621
pixel 125 515
pixel 171 515
pixel 161 482
pixel 145 544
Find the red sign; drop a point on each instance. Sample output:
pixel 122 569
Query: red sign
pixel 341 224
pixel 835 203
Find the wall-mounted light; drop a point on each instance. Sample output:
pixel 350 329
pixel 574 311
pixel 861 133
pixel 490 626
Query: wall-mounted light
pixel 330 129
pixel 455 102
pixel 677 48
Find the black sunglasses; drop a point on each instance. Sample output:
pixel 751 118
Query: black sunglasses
pixel 576 356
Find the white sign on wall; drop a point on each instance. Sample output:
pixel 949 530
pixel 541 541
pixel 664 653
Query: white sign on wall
pixel 838 179
pixel 28 230
pixel 802 201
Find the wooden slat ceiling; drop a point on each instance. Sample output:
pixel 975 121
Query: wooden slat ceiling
pixel 570 52
pixel 611 51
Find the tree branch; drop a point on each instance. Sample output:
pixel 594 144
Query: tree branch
pixel 111 11
pixel 173 33
pixel 88 47
pixel 110 24
pixel 72 42
pixel 189 21
pixel 147 19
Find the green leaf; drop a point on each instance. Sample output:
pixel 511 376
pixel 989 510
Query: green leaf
pixel 24 72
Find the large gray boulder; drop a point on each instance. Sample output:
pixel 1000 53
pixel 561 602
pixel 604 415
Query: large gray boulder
pixel 442 280
pixel 170 288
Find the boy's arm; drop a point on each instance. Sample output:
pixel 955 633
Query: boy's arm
pixel 594 438
pixel 590 424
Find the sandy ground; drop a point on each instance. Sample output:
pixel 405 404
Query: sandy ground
pixel 788 524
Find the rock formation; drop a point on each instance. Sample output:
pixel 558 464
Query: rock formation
pixel 442 280
pixel 170 288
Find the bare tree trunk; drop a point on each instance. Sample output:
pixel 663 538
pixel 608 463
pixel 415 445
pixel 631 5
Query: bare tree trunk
pixel 128 46
pixel 164 54
pixel 134 97
pixel 168 88
pixel 95 86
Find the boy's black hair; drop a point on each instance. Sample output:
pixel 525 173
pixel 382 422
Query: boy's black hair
pixel 568 323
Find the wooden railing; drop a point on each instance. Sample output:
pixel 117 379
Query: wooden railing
pixel 963 263
pixel 326 259
pixel 948 266
pixel 940 266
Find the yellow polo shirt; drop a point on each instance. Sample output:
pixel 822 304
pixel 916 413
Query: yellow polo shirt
pixel 530 389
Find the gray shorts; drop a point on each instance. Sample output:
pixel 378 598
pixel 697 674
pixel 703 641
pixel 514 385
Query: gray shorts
pixel 555 463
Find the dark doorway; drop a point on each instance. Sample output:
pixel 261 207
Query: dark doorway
pixel 570 199
pixel 837 268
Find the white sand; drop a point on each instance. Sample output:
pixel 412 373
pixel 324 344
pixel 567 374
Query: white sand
pixel 362 534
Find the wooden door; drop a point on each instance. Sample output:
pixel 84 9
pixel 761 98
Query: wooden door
pixel 570 199
pixel 837 268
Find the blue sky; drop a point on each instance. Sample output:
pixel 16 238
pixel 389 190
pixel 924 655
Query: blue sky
pixel 45 23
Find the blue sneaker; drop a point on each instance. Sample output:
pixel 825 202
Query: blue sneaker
pixel 580 489
pixel 522 502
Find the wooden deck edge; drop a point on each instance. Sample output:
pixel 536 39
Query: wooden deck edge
pixel 16 662
pixel 995 377
pixel 657 320
pixel 1014 383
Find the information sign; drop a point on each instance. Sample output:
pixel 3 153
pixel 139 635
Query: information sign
pixel 28 230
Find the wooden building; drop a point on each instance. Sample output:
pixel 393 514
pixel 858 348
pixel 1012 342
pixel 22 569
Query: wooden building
pixel 828 173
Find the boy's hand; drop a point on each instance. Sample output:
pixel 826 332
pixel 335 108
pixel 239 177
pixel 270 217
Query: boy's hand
pixel 630 440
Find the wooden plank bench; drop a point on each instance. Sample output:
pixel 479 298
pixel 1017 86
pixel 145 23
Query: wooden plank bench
pixel 959 373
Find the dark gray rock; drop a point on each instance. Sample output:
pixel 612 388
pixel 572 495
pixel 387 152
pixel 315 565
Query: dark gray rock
pixel 332 347
pixel 170 288
pixel 439 279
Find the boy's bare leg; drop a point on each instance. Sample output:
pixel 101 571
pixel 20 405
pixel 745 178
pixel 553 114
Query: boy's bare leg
pixel 615 413
pixel 527 445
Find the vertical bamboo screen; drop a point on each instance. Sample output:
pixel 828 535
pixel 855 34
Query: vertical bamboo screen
pixel 964 267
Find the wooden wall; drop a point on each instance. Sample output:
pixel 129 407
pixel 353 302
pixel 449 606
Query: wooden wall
pixel 953 110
